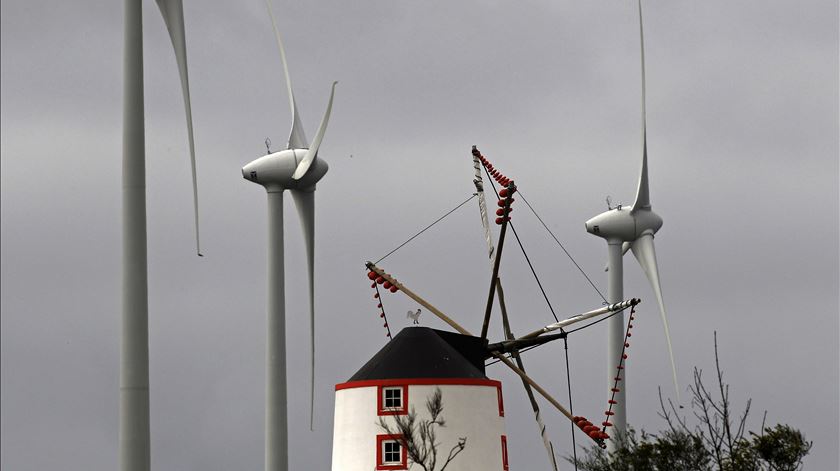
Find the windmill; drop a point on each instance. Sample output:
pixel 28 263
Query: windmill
pixel 630 228
pixel 298 169
pixel 134 359
pixel 507 351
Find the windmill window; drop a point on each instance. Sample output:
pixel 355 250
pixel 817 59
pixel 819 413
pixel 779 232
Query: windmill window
pixel 390 453
pixel 393 400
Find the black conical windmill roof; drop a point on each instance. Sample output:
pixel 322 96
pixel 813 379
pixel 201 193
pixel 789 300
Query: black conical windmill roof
pixel 421 352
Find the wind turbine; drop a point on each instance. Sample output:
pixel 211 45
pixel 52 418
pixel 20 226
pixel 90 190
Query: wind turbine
pixel 630 228
pixel 298 169
pixel 134 359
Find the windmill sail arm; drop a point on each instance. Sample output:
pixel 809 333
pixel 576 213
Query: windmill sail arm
pixel 549 447
pixel 482 207
pixel 582 317
pixel 514 345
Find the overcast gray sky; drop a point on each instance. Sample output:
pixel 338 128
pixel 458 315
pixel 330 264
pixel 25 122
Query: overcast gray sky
pixel 743 144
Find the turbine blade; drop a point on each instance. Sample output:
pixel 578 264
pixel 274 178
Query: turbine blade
pixel 305 203
pixel 643 192
pixel 173 16
pixel 646 255
pixel 312 152
pixel 625 246
pixel 297 139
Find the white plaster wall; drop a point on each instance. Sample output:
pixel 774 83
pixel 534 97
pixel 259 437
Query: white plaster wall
pixel 469 411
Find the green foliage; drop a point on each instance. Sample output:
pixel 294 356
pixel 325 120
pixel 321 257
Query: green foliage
pixel 780 448
pixel 716 441
pixel 783 447
pixel 671 451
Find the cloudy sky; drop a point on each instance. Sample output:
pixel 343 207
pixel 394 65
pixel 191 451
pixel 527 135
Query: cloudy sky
pixel 743 139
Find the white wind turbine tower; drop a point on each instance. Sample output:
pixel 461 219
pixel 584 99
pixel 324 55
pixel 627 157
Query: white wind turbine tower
pixel 134 368
pixel 297 169
pixel 630 228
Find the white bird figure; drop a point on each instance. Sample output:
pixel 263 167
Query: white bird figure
pixel 297 168
pixel 631 228
pixel 414 316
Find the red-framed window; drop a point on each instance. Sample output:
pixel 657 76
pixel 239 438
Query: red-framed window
pixel 505 465
pixel 392 400
pixel 501 400
pixel 391 453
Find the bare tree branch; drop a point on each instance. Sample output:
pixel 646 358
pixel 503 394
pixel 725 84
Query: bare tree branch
pixel 667 415
pixel 420 437
pixel 716 441
pixel 458 448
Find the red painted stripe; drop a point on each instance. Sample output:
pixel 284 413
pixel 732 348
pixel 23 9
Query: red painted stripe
pixel 505 465
pixel 419 382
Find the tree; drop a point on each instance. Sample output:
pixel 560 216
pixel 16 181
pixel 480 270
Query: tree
pixel 717 441
pixel 419 437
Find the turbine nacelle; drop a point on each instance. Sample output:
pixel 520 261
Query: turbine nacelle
pixel 624 224
pixel 275 171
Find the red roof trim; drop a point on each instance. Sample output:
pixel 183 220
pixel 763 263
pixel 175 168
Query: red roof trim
pixel 419 382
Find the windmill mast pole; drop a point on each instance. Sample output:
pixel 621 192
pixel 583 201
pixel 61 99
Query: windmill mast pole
pixel 615 339
pixel 134 368
pixel 276 428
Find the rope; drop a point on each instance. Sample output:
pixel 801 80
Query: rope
pixel 537 278
pixel 527 259
pixel 571 410
pixel 566 331
pixel 562 247
pixel 426 228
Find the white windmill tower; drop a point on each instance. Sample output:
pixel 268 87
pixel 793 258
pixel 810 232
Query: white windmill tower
pixel 297 169
pixel 399 382
pixel 630 228
pixel 134 359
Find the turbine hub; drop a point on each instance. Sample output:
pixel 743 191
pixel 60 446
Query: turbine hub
pixel 647 221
